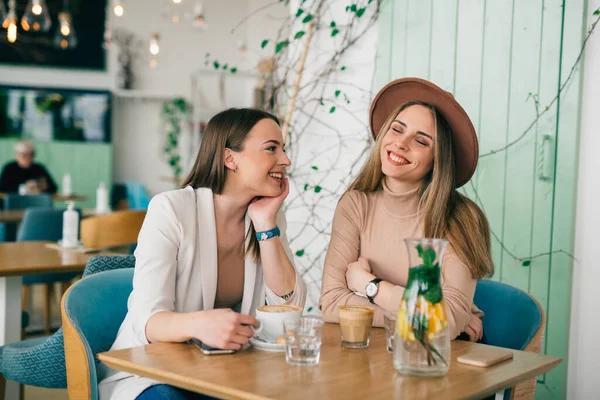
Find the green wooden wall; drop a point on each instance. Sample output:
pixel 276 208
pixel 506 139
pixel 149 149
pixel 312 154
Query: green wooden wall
pixel 88 163
pixel 504 61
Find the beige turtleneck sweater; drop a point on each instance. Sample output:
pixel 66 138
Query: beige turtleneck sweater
pixel 374 225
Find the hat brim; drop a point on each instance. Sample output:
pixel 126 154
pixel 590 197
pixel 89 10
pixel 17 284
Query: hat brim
pixel 464 138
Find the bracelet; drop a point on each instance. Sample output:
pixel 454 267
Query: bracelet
pixel 265 235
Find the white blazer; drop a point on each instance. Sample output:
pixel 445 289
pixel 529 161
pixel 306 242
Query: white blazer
pixel 176 270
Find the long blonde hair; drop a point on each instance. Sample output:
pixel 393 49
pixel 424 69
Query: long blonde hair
pixel 447 214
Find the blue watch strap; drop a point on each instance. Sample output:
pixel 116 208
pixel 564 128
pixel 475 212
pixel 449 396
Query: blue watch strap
pixel 265 235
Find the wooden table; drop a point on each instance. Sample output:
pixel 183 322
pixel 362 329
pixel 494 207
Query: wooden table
pixel 27 258
pixel 16 216
pixel 341 373
pixel 59 197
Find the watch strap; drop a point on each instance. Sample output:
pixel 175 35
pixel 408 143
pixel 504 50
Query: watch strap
pixel 376 282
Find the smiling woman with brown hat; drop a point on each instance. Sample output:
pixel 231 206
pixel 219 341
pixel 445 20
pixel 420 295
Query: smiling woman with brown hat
pixel 425 148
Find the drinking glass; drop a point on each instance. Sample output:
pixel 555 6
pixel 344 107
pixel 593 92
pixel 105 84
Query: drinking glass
pixel 303 340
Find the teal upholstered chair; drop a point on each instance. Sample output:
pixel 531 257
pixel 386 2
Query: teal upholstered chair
pixel 42 223
pixel 92 311
pixel 8 231
pixel 41 361
pixel 137 196
pixel 512 319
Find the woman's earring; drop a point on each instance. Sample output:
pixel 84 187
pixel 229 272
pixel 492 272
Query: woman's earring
pixel 235 169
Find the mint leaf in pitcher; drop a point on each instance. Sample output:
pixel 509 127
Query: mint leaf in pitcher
pixel 427 255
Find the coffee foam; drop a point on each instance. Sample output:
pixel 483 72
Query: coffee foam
pixel 278 308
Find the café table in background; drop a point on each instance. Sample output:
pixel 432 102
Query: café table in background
pixel 342 372
pixel 28 258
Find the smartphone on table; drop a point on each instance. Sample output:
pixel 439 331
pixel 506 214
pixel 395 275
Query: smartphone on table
pixel 208 350
pixel 485 356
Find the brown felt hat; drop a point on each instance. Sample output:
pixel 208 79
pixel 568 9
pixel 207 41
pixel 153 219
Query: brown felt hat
pixel 464 138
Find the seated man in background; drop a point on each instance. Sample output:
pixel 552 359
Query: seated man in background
pixel 24 171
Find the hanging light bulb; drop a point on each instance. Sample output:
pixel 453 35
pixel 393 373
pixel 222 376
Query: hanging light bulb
pixel 36 17
pixel 10 22
pixel 177 1
pixel 65 37
pixel 199 20
pixel 118 8
pixel 154 47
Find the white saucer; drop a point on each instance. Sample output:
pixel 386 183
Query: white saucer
pixel 261 344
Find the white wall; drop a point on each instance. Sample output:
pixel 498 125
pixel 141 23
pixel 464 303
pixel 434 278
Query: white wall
pixel 584 349
pixel 138 132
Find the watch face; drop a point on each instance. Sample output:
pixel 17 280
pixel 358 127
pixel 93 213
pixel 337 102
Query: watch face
pixel 371 289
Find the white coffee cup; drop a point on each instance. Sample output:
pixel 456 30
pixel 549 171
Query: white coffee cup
pixel 270 319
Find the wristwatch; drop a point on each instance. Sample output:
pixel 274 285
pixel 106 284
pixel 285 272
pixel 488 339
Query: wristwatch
pixel 371 289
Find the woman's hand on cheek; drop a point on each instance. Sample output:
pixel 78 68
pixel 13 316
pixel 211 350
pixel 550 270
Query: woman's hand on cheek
pixel 263 210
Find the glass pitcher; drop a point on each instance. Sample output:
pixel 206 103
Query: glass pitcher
pixel 422 343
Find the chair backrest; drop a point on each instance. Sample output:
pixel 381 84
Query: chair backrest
pixel 92 312
pixel 19 202
pixel 41 223
pixel 118 228
pixel 12 201
pixel 512 319
pixel 137 196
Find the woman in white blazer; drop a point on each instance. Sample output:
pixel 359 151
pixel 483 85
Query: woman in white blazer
pixel 215 245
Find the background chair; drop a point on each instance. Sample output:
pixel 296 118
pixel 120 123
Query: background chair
pixel 513 319
pixel 116 229
pixel 8 232
pixel 43 224
pixel 137 196
pixel 41 361
pixel 92 311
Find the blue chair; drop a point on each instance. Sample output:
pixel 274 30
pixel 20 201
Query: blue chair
pixel 512 319
pixel 92 311
pixel 8 232
pixel 41 361
pixel 43 224
pixel 137 196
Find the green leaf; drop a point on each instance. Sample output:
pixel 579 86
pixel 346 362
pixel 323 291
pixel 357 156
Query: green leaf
pixel 427 255
pixel 264 43
pixel 597 12
pixel 526 263
pixel 360 12
pixel 207 54
pixel 318 189
pixel 332 24
pixel 308 18
pixel 305 186
pixel 347 8
pixel 216 64
pixel 300 253
pixel 332 110
pixel 343 68
pixel 299 34
pixel 206 62
pixel 299 12
pixel 309 309
pixel 335 32
pixel 225 66
pixel 315 167
pixel 434 294
pixel 353 8
pixel 321 102
pixel 281 45
pixel 337 93
pixel 233 70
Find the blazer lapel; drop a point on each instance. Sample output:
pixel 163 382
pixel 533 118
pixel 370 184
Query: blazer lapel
pixel 249 275
pixel 207 245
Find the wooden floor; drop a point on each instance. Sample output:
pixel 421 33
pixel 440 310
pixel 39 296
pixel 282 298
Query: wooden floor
pixel 37 393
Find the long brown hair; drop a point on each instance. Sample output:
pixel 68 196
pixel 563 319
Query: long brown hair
pixel 447 214
pixel 226 130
